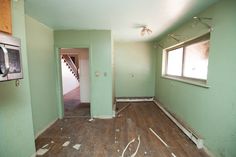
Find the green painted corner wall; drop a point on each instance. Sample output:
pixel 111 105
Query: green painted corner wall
pixel 100 58
pixel 134 69
pixel 113 77
pixel 42 74
pixel 16 126
pixel 211 112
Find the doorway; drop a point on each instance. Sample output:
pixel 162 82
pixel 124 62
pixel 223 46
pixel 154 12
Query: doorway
pixel 75 81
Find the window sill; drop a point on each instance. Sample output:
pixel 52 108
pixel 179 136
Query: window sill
pixel 188 81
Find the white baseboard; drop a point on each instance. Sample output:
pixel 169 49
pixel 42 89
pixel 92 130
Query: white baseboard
pixel 134 99
pixel 209 153
pixel 198 141
pixel 114 110
pixel 49 125
pixel 104 117
pixel 85 102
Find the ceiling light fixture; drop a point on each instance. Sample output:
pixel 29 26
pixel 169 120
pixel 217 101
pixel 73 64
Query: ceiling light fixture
pixel 145 30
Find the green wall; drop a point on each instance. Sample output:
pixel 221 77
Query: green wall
pixel 16 126
pixel 42 74
pixel 113 77
pixel 211 112
pixel 100 56
pixel 134 69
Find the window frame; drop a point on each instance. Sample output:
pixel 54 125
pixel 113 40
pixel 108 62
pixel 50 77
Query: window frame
pixel 205 37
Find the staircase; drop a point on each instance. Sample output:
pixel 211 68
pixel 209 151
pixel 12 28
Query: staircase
pixel 71 65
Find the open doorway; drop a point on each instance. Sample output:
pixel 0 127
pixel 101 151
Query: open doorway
pixel 75 81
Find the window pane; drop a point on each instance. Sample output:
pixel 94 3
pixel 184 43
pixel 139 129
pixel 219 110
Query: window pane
pixel 174 63
pixel 196 60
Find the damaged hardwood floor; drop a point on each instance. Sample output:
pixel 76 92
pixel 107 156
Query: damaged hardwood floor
pixel 108 138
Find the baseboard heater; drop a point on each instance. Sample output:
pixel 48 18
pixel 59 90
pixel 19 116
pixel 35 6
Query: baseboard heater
pixel 198 141
pixel 135 99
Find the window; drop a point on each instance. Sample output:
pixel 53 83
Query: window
pixel 174 64
pixel 188 61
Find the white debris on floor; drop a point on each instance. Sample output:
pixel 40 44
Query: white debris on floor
pixel 134 154
pixel 129 145
pixel 91 119
pixel 45 145
pixel 159 138
pixel 66 144
pixel 123 108
pixel 41 151
pixel 129 149
pixel 123 153
pixel 172 154
pixel 77 146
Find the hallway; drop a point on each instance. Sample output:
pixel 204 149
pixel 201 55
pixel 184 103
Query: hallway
pixel 73 107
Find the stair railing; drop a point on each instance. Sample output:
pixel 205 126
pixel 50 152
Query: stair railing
pixel 71 65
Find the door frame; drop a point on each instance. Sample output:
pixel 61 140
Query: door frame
pixel 59 87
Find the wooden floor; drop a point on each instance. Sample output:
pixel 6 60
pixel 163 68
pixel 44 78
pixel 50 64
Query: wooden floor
pixel 73 107
pixel 108 138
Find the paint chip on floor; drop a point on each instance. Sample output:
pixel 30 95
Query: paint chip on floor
pixel 41 151
pixel 119 115
pixel 77 146
pixel 66 144
pixel 91 119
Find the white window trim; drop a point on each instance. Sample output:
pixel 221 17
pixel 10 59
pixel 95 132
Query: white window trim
pixel 188 80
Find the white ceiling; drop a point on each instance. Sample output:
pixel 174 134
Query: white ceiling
pixel 120 16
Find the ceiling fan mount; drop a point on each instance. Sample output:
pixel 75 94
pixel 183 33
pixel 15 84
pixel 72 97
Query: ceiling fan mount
pixel 145 30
